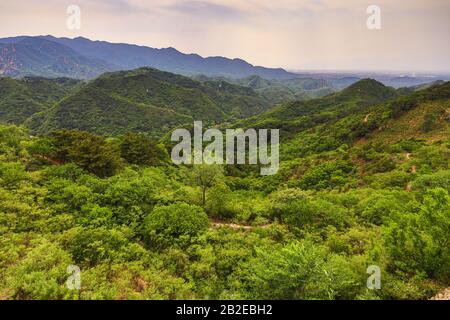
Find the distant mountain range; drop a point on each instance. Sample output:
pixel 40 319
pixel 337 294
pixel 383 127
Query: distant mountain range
pixel 82 58
pixel 28 56
pixel 340 80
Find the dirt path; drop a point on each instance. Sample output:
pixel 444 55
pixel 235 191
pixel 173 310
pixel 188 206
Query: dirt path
pixel 220 224
pixel 231 225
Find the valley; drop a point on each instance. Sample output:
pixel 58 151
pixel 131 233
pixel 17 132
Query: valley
pixel 86 179
pixel 211 158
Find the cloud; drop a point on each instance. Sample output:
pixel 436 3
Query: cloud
pixel 206 10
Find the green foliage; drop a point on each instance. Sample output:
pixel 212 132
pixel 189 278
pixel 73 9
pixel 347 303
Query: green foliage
pixel 429 122
pixel 433 180
pixel 417 240
pixel 302 212
pixel 11 174
pixel 92 153
pixel 11 138
pixel 300 271
pixel 138 149
pixel 359 184
pixel 205 176
pixel 167 224
pixel 23 98
pixel 41 274
pixel 327 175
pixel 89 247
pixel 145 100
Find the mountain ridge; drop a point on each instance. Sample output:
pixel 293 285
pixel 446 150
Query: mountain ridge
pixel 122 56
pixel 146 100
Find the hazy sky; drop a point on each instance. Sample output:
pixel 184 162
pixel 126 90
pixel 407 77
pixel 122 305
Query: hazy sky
pixel 294 34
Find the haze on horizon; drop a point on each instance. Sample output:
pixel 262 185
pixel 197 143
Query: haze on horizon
pixel 293 34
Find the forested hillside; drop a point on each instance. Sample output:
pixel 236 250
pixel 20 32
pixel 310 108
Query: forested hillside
pixel 278 91
pixel 143 100
pixel 20 99
pixel 364 180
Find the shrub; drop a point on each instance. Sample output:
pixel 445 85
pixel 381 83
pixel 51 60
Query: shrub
pixel 180 221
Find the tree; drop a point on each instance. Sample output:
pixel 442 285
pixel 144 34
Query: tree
pixel 138 149
pixel 11 174
pixel 219 196
pixel 206 176
pixel 429 122
pixel 180 221
pixel 91 152
pixel 10 138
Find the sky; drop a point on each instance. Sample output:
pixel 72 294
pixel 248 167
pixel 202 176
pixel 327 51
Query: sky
pixel 414 35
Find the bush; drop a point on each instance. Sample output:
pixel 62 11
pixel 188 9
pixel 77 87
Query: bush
pixel 327 175
pixel 437 179
pixel 429 122
pixel 181 221
pixel 300 270
pixel 417 240
pixel 41 274
pixel 301 211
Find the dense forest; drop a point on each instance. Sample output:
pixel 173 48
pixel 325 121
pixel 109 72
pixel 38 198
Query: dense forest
pixel 364 181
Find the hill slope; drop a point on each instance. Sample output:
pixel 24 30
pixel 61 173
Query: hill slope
pixel 341 125
pixel 277 91
pixel 22 98
pixel 294 116
pixel 147 100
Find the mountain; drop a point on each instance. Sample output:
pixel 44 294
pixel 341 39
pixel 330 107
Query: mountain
pixel 83 58
pixel 277 91
pixel 365 112
pixel 147 100
pixel 22 98
pixel 409 90
pixel 408 81
pixel 341 80
pixel 39 57
pixel 297 115
pixel 341 83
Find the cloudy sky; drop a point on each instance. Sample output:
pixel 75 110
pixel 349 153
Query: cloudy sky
pixel 294 34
